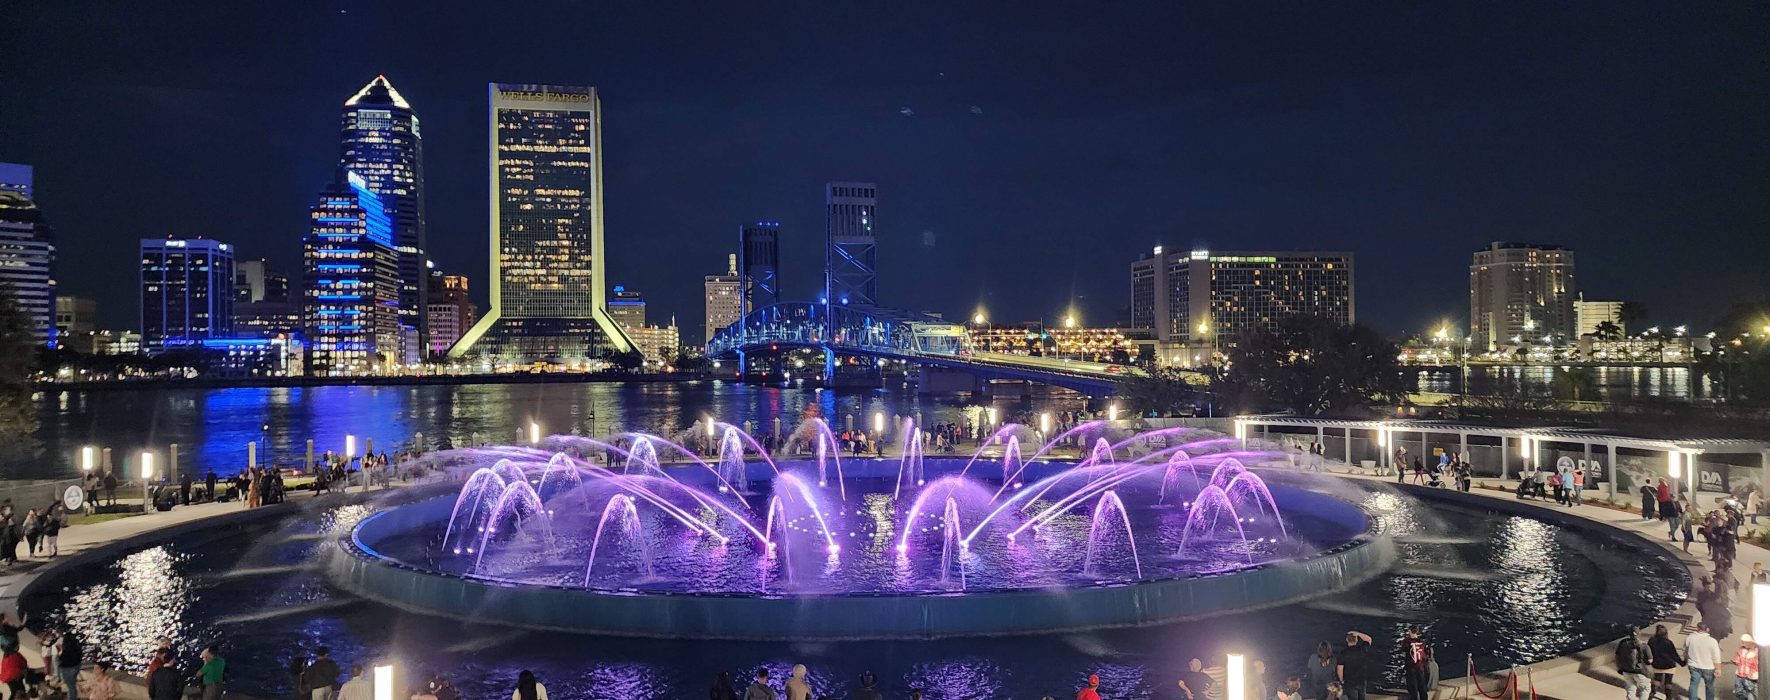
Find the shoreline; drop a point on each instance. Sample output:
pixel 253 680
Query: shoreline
pixel 420 380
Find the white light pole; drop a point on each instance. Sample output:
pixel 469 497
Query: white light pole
pixel 879 424
pixel 534 433
pixel 1235 677
pixel 1112 412
pixel 88 457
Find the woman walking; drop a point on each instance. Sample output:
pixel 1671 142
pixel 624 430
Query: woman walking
pixel 33 531
pixel 1665 659
pixel 52 525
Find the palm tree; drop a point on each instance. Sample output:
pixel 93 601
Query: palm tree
pixel 1632 313
pixel 1607 331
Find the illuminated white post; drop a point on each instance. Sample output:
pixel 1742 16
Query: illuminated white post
pixel 147 474
pixel 349 447
pixel 384 682
pixel 1112 412
pixel 1674 468
pixel 251 455
pixel 879 425
pixel 1761 631
pixel 1045 424
pixel 534 433
pixel 1235 678
pixel 88 458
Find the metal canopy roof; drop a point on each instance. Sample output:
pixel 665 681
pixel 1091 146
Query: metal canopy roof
pixel 1551 433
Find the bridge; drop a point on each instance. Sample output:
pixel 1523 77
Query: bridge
pixel 859 331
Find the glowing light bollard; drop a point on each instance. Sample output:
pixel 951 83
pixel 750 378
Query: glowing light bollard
pixel 1761 632
pixel 534 433
pixel 147 475
pixel 1235 678
pixel 383 682
pixel 88 459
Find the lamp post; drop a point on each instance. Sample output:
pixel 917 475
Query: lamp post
pixel 88 458
pixel 534 433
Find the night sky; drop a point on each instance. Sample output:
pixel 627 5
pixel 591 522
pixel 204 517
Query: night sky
pixel 1024 156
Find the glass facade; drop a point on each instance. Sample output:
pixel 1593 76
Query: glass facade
pixel 381 143
pixel 187 291
pixel 1520 293
pixel 350 301
pixel 1205 298
pixel 548 303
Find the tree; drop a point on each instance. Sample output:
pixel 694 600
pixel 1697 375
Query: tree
pixel 1576 384
pixel 1311 365
pixel 18 354
pixel 1608 331
pixel 1163 391
pixel 628 361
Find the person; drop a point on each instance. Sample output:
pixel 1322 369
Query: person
pixel 797 688
pixel 1664 494
pixel 212 672
pixel 359 687
pixel 759 690
pixel 1320 668
pixel 1665 658
pixel 1632 665
pixel 1557 484
pixel 321 675
pixel 1745 669
pixel 441 689
pixel 1416 661
pixel 12 672
pixel 209 486
pixel 166 682
pixel 1702 654
pixel 1649 499
pixel 868 688
pixel 528 688
pixel 1291 690
pixel 184 487
pixel 1257 685
pixel 1758 573
pixel 298 671
pixel 1400 464
pixel 1195 683
pixel 1671 512
pixel 1419 471
pixel 33 529
pixel 722 688
pixel 110 491
pixel 1354 668
pixel 70 656
pixel 100 686
pixel 52 525
pixel 1579 486
pixel 1091 691
pixel 1686 524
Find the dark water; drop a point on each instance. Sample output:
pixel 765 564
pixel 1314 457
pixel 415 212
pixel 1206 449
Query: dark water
pixel 1504 588
pixel 1616 383
pixel 212 426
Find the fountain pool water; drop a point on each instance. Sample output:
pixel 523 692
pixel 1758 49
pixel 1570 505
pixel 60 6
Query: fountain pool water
pixel 643 524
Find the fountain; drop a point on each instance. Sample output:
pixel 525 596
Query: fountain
pixel 665 522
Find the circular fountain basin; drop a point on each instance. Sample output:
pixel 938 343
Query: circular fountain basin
pixel 397 557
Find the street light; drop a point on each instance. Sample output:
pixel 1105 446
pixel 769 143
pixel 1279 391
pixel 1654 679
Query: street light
pixel 349 447
pixel 534 433
pixel 87 458
pixel 977 319
pixel 1045 423
pixel 1112 412
pixel 1069 321
pixel 878 424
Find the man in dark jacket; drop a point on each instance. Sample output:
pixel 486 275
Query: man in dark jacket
pixel 166 682
pixel 321 675
pixel 1631 664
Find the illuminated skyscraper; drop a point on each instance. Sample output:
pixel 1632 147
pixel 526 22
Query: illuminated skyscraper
pixel 187 291
pixel 547 287
pixel 759 263
pixel 26 251
pixel 350 300
pixel 627 308
pixel 725 298
pixel 1523 291
pixel 1209 299
pixel 382 144
pixel 851 260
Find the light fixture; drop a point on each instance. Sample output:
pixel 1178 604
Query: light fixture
pixel 383 683
pixel 147 466
pixel 87 455
pixel 534 433
pixel 349 446
pixel 1235 677
pixel 1673 466
pixel 878 423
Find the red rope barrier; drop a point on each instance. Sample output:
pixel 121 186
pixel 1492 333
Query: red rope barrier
pixel 1511 682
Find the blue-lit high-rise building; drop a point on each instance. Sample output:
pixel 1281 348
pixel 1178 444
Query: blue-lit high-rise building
pixel 187 291
pixel 759 264
pixel 382 145
pixel 350 290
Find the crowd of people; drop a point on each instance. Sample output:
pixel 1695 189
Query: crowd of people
pixel 39 530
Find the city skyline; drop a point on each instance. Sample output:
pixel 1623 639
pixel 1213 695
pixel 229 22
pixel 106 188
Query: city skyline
pixel 946 132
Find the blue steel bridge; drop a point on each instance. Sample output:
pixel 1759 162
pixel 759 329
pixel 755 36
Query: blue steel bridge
pixel 842 331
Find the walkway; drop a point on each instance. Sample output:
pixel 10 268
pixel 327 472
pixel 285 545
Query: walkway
pixel 1582 676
